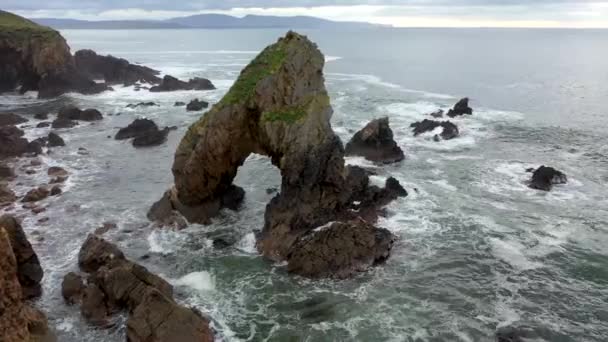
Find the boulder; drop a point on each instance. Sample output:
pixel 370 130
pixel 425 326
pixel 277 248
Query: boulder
pixel 54 140
pixel 7 196
pixel 72 288
pixel 448 129
pixel 170 83
pixel 12 143
pixel 151 138
pixel 18 321
pixel 438 114
pixel 142 104
pixel 35 147
pixel 36 195
pixel 113 70
pixel 196 105
pixel 545 177
pixel 278 107
pixel 179 104
pixel 461 108
pixel 75 114
pixel 375 142
pixel 29 271
pixel 97 252
pixel 41 116
pixel 36 57
pixel 137 128
pixel 63 123
pixel 10 119
pixel 56 190
pixel 6 172
pixel 43 124
pixel 56 171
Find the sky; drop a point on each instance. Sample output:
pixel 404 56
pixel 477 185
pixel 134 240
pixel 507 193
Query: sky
pixel 399 13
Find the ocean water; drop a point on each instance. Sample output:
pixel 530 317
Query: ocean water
pixel 478 250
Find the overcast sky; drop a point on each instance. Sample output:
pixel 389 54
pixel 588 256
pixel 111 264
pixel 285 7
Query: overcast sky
pixel 403 13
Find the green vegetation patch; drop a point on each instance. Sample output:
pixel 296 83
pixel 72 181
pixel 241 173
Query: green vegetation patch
pixel 288 115
pixel 16 27
pixel 265 64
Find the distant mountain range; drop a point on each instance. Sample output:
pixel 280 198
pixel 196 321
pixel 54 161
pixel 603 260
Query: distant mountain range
pixel 206 21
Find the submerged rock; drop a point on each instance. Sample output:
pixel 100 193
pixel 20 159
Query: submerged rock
pixel 142 104
pixel 145 133
pixel 170 83
pixel 36 195
pixel 196 105
pixel 36 57
pixel 375 142
pixel 449 129
pixel 545 177
pixel 278 107
pixel 461 108
pixel 113 70
pixel 43 124
pixel 73 113
pixel 63 123
pixel 179 104
pixel 151 138
pixel 10 119
pixel 55 140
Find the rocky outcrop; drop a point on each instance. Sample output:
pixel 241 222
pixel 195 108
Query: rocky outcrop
pixel 7 196
pixel 115 283
pixel 10 119
pixel 18 321
pixel 179 104
pixel 196 105
pixel 35 57
pixel 375 142
pixel 113 70
pixel 170 83
pixel 461 108
pixel 54 140
pixel 448 129
pixel 71 113
pixel 545 177
pixel 36 195
pixel 144 133
pixel 12 143
pixel 278 107
pixel 142 104
pixel 29 271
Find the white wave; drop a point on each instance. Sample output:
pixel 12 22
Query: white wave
pixel 445 185
pixel 378 181
pixel 163 242
pixel 247 244
pixel 513 253
pixel 359 161
pixel 199 281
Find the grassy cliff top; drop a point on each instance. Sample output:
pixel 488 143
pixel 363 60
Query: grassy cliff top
pixel 15 25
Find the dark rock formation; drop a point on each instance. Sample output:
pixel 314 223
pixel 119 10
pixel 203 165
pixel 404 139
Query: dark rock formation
pixel 115 283
pixel 10 119
pixel 7 196
pixel 438 114
pixel 29 271
pixel 56 190
pixel 35 147
pixel 450 130
pixel 113 70
pixel 55 140
pixel 18 321
pixel 278 107
pixel 6 172
pixel 145 133
pixel 73 113
pixel 545 177
pixel 35 57
pixel 179 104
pixel 375 142
pixel 63 123
pixel 56 171
pixel 196 105
pixel 41 116
pixel 153 138
pixel 36 195
pixel 170 83
pixel 461 108
pixel 142 104
pixel 43 124
pixel 12 143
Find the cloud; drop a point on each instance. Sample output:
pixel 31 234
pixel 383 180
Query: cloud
pixel 433 13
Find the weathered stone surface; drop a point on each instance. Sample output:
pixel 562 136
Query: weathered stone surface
pixel 170 83
pixel 35 57
pixel 136 128
pixel 151 138
pixel 56 171
pixel 10 119
pixel 340 250
pixel 55 140
pixel 29 271
pixel 375 142
pixel 75 114
pixel 12 143
pixel 449 129
pixel 63 123
pixel 461 108
pixel 278 107
pixel 196 105
pixel 545 177
pixel 113 70
pixel 36 195
pixel 96 252
pixel 72 288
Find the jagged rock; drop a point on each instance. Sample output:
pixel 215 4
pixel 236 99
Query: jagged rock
pixel 196 105
pixel 75 114
pixel 6 172
pixel 113 70
pixel 375 142
pixel 170 83
pixel 340 250
pixel 449 129
pixel 438 114
pixel 35 147
pixel 461 108
pixel 55 140
pixel 151 138
pixel 142 104
pixel 72 288
pixel 278 107
pixel 56 190
pixel 63 123
pixel 96 252
pixel 137 128
pixel 56 171
pixel 36 195
pixel 10 119
pixel 41 116
pixel 18 321
pixel 12 143
pixel 35 57
pixel 179 104
pixel 7 196
pixel 94 307
pixel 106 227
pixel 43 124
pixel 29 271
pixel 545 177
